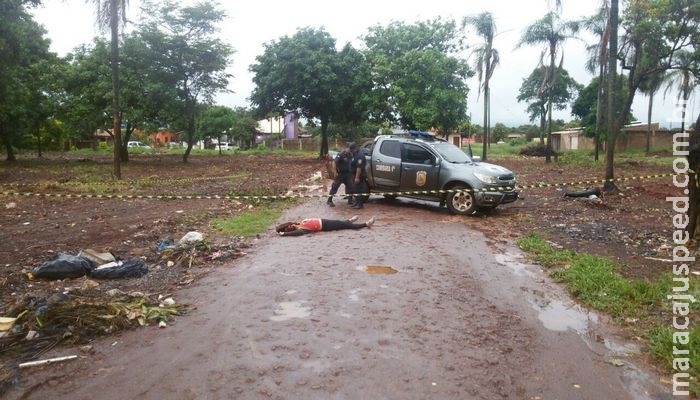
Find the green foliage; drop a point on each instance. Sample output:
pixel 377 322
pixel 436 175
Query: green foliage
pixel 586 104
pixel 24 74
pixel 536 93
pixel 262 147
pixel 577 157
pixel 306 74
pixel 420 80
pixel 189 62
pixel 597 284
pixel 661 348
pixel 541 251
pixel 517 142
pixel 249 223
pixel 495 149
pixel 215 122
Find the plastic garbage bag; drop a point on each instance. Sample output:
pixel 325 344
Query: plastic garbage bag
pixel 131 268
pixel 63 266
pixel 191 237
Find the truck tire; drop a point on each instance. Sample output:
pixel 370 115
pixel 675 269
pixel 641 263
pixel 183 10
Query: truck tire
pixel 461 202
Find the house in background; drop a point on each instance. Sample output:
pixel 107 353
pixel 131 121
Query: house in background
pixel 278 128
pixel 163 138
pixel 631 137
pixel 571 139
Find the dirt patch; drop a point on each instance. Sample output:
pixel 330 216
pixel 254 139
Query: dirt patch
pixel 161 198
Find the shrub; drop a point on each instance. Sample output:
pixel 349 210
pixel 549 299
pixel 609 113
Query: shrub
pixel 535 150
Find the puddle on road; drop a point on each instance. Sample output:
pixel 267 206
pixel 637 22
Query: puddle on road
pixel 511 261
pixel 287 310
pixel 557 316
pixel 377 269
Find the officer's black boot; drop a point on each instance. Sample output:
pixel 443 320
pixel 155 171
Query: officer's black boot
pixel 330 201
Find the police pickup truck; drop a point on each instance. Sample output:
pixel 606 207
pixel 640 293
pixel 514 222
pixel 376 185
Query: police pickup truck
pixel 422 166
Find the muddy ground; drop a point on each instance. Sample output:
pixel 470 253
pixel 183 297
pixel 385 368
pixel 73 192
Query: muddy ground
pixel 143 210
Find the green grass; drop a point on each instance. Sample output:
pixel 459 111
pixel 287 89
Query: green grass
pixel 250 222
pixel 640 303
pixel 495 150
pixel 661 345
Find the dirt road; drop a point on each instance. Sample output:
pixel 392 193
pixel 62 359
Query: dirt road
pixel 462 317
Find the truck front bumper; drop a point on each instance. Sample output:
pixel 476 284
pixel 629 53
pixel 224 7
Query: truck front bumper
pixel 495 198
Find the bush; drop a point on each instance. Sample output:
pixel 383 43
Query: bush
pixel 515 142
pixel 536 150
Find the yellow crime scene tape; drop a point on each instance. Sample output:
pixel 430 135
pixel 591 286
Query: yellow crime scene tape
pixel 290 196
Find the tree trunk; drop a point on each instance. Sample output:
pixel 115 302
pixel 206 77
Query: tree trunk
pixel 7 143
pixel 551 80
pixel 651 104
pixel 612 79
pixel 599 106
pixel 486 121
pixel 693 186
pixel 116 112
pixel 324 138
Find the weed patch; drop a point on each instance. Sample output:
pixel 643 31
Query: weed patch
pixel 641 303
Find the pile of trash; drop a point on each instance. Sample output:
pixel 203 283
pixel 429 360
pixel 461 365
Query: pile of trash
pixel 89 263
pixel 104 265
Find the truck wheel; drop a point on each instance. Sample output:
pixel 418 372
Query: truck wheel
pixel 461 202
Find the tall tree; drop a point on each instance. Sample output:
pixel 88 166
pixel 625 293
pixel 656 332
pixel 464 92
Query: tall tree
pixel 216 121
pixel 683 79
pixel 650 86
pixel 22 48
pixel 611 75
pixel 487 59
pixel 552 32
pixel 419 80
pixel 598 55
pixel 654 34
pixel 565 89
pixel 305 74
pixel 112 14
pixel 185 56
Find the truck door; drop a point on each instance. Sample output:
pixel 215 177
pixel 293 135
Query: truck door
pixel 419 169
pixel 386 165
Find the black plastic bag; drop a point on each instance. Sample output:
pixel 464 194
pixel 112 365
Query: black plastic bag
pixel 63 266
pixel 131 268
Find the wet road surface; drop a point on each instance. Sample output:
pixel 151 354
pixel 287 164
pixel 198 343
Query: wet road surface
pixel 420 306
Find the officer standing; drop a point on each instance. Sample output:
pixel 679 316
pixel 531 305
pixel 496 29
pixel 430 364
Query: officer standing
pixel 357 168
pixel 341 163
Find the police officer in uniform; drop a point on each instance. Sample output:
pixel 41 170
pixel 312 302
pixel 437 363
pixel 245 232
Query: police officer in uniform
pixel 342 175
pixel 357 168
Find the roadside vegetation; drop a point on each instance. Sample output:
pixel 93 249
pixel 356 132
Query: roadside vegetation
pixel 639 305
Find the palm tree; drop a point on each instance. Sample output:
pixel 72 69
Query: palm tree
pixel 110 13
pixel 649 86
pixel 598 25
pixel 552 32
pixel 487 59
pixel 609 185
pixel 682 77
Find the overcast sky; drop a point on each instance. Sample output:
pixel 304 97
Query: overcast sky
pixel 249 25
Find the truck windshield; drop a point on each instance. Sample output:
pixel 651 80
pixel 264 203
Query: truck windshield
pixel 451 153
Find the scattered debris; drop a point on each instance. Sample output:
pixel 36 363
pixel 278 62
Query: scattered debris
pixel 588 192
pixel 6 323
pixel 46 361
pixel 192 237
pixel 132 268
pixel 95 265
